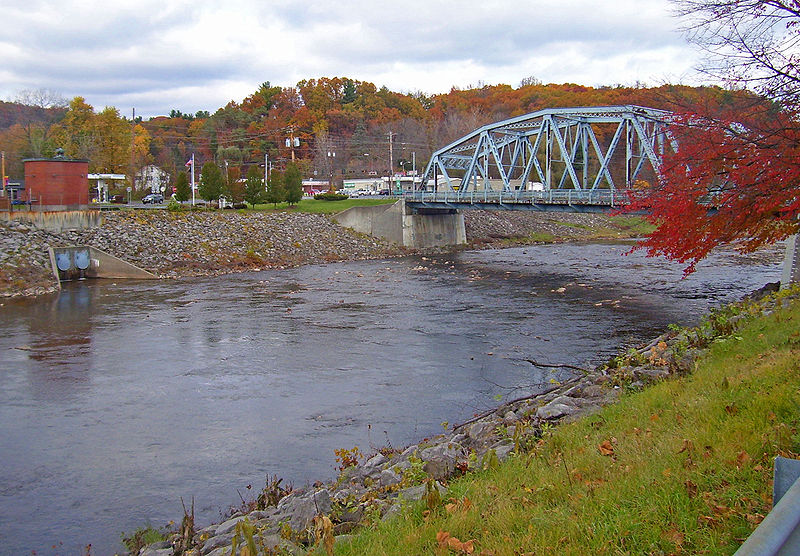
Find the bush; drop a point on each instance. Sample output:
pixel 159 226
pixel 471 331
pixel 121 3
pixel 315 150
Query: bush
pixel 330 196
pixel 240 206
pixel 174 206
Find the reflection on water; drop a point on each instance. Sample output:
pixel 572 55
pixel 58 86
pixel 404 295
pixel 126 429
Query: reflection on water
pixel 120 398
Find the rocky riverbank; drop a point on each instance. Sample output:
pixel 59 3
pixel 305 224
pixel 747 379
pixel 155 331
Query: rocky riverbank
pixel 378 487
pixel 172 244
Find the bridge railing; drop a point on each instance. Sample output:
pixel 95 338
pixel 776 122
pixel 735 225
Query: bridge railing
pixel 604 197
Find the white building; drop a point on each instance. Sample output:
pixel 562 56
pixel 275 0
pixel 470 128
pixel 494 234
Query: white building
pixel 153 178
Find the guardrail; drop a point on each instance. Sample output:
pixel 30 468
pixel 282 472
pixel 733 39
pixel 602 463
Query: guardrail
pixel 779 533
pixel 601 197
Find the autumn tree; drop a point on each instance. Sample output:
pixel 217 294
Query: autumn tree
pixel 293 184
pixel 74 132
pixel 211 182
pixel 735 178
pixel 254 186
pixel 275 192
pixel 111 137
pixel 36 128
pixel 182 189
pixel 748 43
pixel 141 146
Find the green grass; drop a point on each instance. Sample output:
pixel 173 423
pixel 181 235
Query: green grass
pixel 636 226
pixel 142 537
pixel 325 207
pixel 690 471
pixel 616 227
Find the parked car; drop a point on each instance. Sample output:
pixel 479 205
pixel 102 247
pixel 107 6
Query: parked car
pixel 118 199
pixel 153 198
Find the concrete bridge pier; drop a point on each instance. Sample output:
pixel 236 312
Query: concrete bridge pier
pixel 419 228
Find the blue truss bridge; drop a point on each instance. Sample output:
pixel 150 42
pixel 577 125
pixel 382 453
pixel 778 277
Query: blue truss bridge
pixel 559 159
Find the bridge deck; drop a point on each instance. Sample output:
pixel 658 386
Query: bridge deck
pixel 553 200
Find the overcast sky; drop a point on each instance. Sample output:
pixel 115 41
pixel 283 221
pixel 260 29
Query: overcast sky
pixel 156 55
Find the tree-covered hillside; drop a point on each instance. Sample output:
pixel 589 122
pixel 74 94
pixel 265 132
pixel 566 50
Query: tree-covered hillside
pixel 336 127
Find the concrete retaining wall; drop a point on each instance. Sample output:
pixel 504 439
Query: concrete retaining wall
pixel 56 221
pixel 380 221
pixel 398 224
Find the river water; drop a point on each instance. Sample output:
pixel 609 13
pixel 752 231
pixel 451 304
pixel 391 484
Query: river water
pixel 118 399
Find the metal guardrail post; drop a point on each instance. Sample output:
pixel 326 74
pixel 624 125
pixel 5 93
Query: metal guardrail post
pixel 779 533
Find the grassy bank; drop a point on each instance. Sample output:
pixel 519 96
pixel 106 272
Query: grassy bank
pixel 326 207
pixel 683 466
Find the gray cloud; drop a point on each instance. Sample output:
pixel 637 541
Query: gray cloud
pixel 163 54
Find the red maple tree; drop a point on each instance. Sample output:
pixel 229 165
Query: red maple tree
pixel 734 179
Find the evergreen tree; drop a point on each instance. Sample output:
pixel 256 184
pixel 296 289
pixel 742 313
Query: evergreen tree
pixel 211 183
pixel 293 183
pixel 182 189
pixel 275 192
pixel 254 186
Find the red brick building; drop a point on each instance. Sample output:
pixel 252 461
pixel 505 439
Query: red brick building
pixel 57 183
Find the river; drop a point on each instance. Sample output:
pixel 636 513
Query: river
pixel 119 398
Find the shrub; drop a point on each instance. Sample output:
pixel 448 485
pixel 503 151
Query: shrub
pixel 174 206
pixel 330 196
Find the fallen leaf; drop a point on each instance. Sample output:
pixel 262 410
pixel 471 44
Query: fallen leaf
pixel 444 540
pixel 742 459
pixel 606 448
pixel 755 519
pixel 719 509
pixel 706 520
pixel 687 446
pixel 674 536
pixel 691 488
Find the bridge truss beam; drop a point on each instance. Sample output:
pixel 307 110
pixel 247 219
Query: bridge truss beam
pixel 579 149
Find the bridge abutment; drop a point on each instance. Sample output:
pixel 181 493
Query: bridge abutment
pixel 409 227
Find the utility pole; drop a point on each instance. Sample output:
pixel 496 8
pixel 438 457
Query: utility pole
pixel 331 160
pixel 391 156
pixel 3 171
pixel 193 179
pixel 292 141
pixel 133 146
pixel 266 170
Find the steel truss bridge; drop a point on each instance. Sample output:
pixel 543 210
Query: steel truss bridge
pixel 570 159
